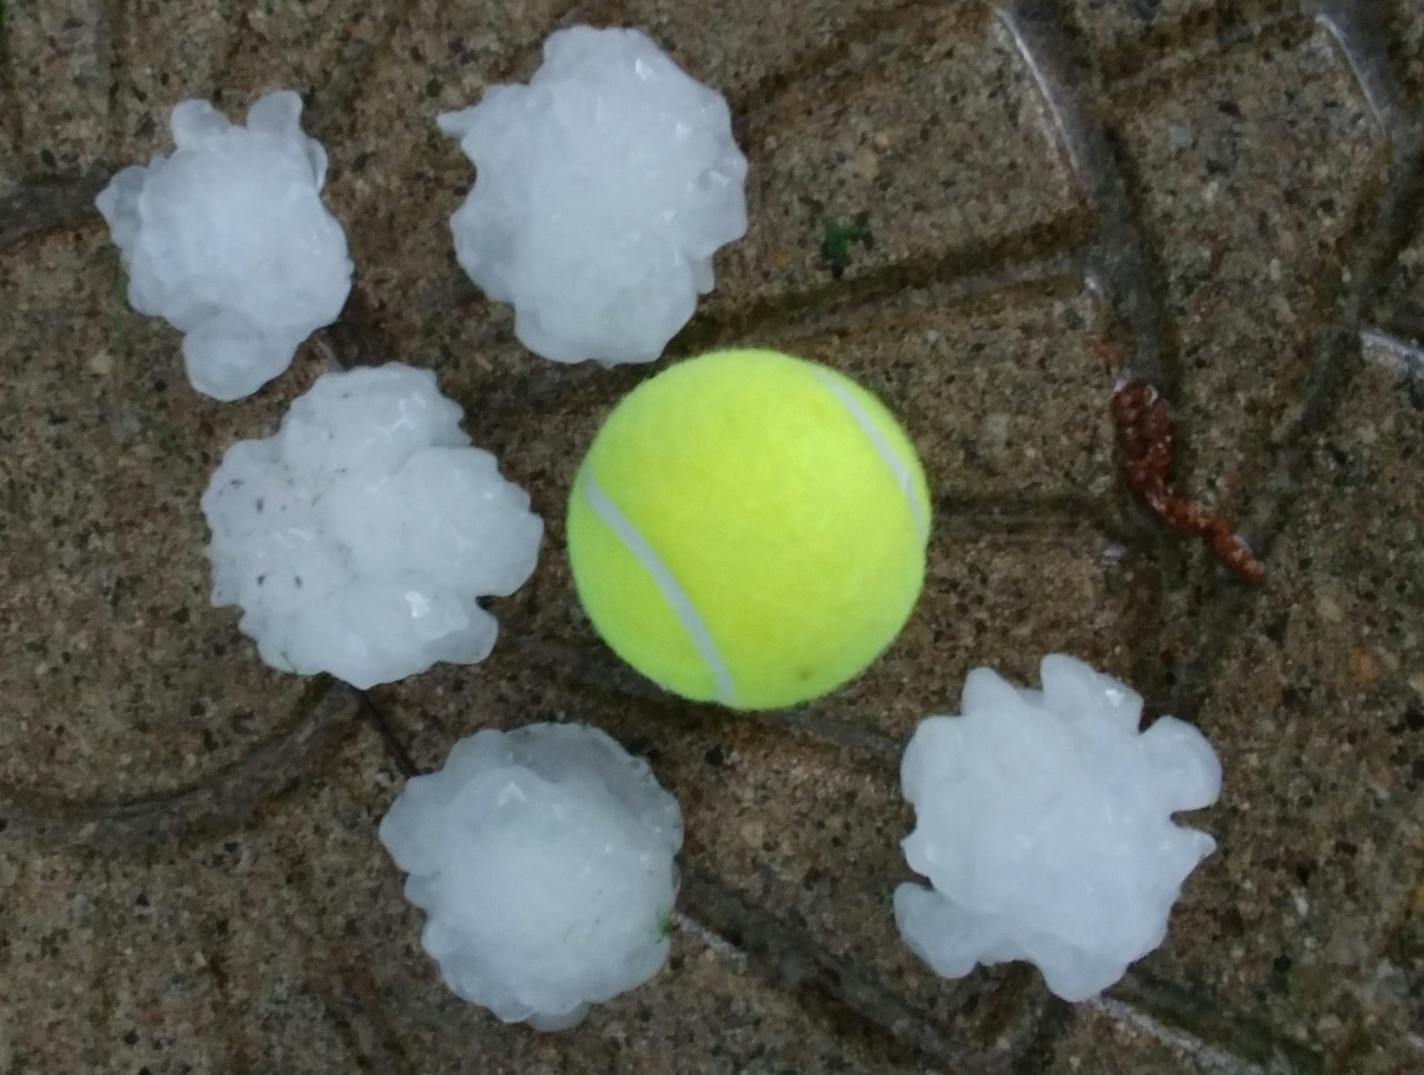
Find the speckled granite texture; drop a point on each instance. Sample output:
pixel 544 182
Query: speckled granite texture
pixel 987 213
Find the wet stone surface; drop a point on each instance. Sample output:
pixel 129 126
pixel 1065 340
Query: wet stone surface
pixel 187 839
pixel 121 680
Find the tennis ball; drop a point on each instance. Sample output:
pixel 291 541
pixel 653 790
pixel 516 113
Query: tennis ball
pixel 749 528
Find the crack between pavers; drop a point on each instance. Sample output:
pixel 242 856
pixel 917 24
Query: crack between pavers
pixel 49 205
pixel 224 798
pixel 786 956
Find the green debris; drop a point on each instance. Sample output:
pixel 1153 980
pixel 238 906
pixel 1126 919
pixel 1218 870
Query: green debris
pixel 838 238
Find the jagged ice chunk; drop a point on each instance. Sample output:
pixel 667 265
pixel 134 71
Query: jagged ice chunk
pixel 604 186
pixel 1043 823
pixel 543 858
pixel 358 539
pixel 227 238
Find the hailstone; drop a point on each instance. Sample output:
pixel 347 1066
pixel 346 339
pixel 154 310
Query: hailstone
pixel 543 858
pixel 604 186
pixel 358 539
pixel 1043 823
pixel 227 238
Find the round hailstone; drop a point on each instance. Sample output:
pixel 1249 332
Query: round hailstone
pixel 543 858
pixel 604 187
pixel 228 239
pixel 358 539
pixel 1043 823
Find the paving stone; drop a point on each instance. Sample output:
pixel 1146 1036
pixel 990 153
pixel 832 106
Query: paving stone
pixel 1140 37
pixel 1310 915
pixel 924 144
pixel 265 931
pixel 59 57
pixel 121 680
pixel 166 53
pixel 1249 165
pixel 51 970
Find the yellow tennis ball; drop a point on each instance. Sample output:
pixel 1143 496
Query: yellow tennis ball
pixel 749 528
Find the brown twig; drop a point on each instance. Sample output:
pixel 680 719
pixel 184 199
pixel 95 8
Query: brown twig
pixel 1144 435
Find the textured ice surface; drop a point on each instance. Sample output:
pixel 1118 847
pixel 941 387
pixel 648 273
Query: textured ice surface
pixel 358 538
pixel 1043 822
pixel 543 859
pixel 228 240
pixel 603 188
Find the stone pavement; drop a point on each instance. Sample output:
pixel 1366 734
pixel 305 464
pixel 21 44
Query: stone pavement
pixel 989 214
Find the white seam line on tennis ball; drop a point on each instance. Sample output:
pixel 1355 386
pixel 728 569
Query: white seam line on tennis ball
pixel 898 470
pixel 673 594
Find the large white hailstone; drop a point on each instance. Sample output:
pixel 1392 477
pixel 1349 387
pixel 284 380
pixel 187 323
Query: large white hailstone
pixel 228 240
pixel 543 859
pixel 358 539
pixel 1043 822
pixel 604 186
